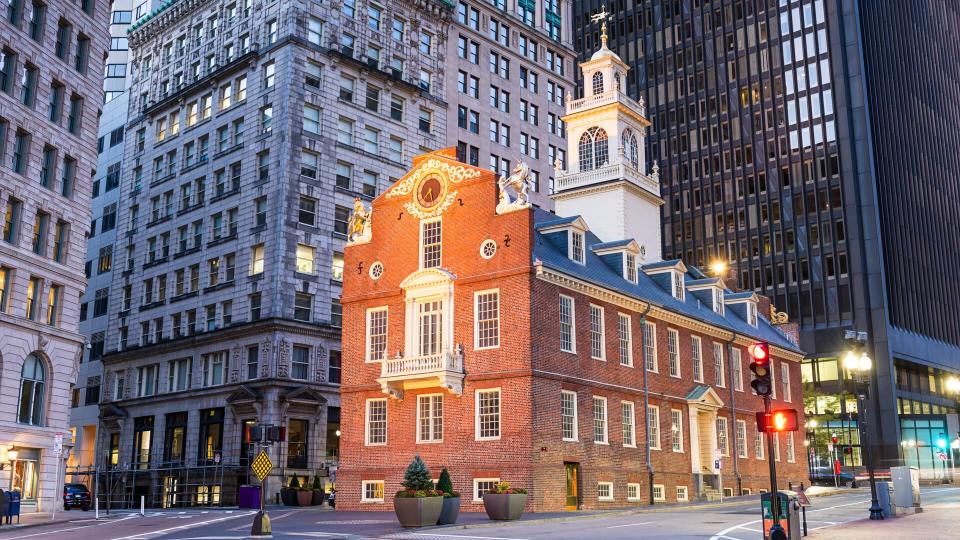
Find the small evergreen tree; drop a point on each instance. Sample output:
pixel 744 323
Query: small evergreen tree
pixel 417 476
pixel 444 484
pixel 317 484
pixel 295 482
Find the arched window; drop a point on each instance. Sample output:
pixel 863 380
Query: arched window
pixel 593 149
pixel 597 83
pixel 616 81
pixel 630 148
pixel 31 392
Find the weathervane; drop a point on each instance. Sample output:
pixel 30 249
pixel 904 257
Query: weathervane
pixel 602 17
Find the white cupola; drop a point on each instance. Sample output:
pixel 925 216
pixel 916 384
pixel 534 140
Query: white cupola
pixel 605 180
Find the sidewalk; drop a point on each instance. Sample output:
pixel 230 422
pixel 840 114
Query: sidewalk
pixel 937 521
pixel 33 519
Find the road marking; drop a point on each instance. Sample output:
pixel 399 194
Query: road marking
pixel 629 525
pixel 70 529
pixel 441 536
pixel 145 535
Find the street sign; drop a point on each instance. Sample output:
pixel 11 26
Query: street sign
pixel 942 456
pixel 261 465
pixel 829 447
pixel 58 444
pixel 802 499
pixel 717 464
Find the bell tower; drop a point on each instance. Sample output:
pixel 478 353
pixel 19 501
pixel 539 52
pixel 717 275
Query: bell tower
pixel 606 178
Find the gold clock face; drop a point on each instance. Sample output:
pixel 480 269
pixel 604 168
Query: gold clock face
pixel 429 192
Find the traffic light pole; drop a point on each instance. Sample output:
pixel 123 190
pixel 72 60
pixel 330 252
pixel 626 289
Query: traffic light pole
pixel 776 531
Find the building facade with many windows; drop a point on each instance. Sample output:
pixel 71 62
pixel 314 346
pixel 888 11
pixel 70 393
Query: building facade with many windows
pixel 50 88
pixel 253 129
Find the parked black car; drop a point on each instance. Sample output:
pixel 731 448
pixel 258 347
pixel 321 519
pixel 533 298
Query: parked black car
pixel 824 476
pixel 76 496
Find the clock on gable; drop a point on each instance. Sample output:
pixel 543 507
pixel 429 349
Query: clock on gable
pixel 430 192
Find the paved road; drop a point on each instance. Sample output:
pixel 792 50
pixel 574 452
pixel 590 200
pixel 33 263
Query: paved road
pixel 736 521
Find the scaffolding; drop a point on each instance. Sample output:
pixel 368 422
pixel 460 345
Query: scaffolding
pixel 166 485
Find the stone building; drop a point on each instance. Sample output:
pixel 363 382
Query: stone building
pixel 508 343
pixel 253 127
pixel 50 98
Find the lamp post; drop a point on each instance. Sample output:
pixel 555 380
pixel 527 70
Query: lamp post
pixel 861 366
pixel 810 444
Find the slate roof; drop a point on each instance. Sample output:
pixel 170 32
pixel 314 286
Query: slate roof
pixel 662 264
pixel 595 271
pixel 611 245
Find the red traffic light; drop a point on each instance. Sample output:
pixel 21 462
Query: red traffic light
pixel 833 439
pixel 760 352
pixel 779 420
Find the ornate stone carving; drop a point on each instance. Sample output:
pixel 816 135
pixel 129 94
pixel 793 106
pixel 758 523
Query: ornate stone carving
pixel 235 364
pixel 778 317
pixel 265 350
pixel 319 363
pixel 520 183
pixel 360 232
pixel 453 173
pixel 283 360
pixel 418 213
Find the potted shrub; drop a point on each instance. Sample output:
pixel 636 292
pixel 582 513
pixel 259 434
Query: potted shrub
pixel 304 494
pixel 288 494
pixel 451 500
pixel 417 504
pixel 318 495
pixel 505 502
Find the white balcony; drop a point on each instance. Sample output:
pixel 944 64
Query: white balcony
pixel 444 370
pixel 606 98
pixel 608 173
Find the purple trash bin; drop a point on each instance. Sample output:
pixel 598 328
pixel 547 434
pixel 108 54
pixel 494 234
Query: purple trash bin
pixel 249 497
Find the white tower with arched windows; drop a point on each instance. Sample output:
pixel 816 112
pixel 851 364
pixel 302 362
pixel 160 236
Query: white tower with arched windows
pixel 605 179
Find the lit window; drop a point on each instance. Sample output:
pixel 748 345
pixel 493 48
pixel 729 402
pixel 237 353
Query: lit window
pixel 305 256
pixel 256 260
pixel 372 491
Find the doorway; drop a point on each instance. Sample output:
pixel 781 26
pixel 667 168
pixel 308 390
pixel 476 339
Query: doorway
pixel 573 486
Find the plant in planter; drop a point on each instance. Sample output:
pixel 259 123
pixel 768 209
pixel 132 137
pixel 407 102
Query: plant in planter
pixel 418 504
pixel 451 499
pixel 288 494
pixel 304 494
pixel 504 502
pixel 318 495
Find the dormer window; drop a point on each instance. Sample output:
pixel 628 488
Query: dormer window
pixel 718 300
pixel 676 281
pixel 752 314
pixel 576 247
pixel 430 235
pixel 630 267
pixel 597 83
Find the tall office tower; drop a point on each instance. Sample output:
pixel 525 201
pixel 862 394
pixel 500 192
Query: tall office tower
pixel 801 143
pixel 515 65
pixel 50 96
pixel 253 129
pixel 85 402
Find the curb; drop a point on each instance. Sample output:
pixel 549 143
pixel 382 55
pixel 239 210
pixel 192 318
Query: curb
pixel 617 513
pixel 20 526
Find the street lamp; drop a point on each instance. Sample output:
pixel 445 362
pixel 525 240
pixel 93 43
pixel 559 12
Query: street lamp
pixel 719 268
pixel 860 366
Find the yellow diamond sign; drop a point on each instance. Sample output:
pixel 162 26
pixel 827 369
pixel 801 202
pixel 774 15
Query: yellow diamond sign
pixel 262 465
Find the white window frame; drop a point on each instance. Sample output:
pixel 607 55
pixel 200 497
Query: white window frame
pixel 577 251
pixel 676 283
pixel 723 435
pixel 742 441
pixel 597 336
pixel 477 498
pixel 605 419
pixel 630 267
pixel 758 445
pixel 476 319
pixel 573 323
pixel 650 334
pixel 683 494
pixel 676 430
pixel 737 360
pixel 635 486
pixel 630 428
pixel 785 381
pixel 776 446
pixel 673 349
pixel 719 371
pixel 363 491
pixel 476 413
pixel 659 492
pixel 386 333
pixel 752 314
pixel 366 423
pixel 625 322
pixel 423 225
pixel 696 354
pixel 609 496
pixel 773 380
pixel 562 416
pixel 434 438
pixel 653 427
pixel 791 450
pixel 718 301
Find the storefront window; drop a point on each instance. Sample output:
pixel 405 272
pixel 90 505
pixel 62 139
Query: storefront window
pixel 297 431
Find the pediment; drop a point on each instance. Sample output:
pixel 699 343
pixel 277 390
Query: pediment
pixel 427 277
pixel 704 396
pixel 305 394
pixel 243 393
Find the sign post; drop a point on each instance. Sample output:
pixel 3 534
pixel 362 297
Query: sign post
pixel 261 467
pixel 58 451
pixel 718 465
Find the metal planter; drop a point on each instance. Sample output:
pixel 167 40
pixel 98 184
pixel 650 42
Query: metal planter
pixel 417 511
pixel 505 506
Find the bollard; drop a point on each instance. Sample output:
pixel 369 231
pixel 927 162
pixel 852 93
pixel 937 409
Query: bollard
pixel 141 506
pixel 96 508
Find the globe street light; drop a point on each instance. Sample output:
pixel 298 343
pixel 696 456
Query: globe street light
pixel 860 365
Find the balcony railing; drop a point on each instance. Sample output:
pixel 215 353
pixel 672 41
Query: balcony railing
pixel 607 173
pixel 445 369
pixel 610 96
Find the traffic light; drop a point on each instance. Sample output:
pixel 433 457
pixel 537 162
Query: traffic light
pixel 778 420
pixel 254 433
pixel 760 367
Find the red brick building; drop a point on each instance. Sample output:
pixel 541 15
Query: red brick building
pixel 508 343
